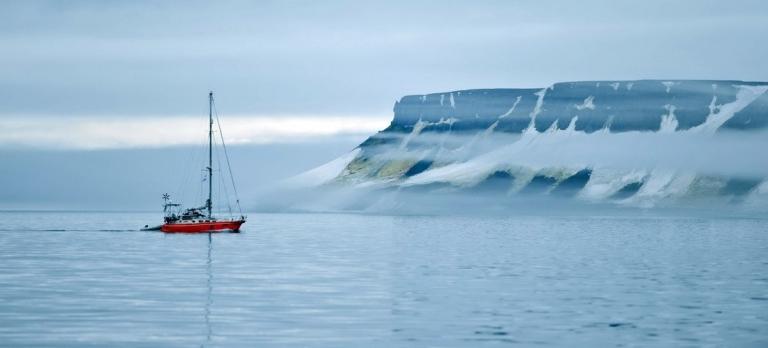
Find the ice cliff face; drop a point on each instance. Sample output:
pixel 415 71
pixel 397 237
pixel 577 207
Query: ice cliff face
pixel 627 142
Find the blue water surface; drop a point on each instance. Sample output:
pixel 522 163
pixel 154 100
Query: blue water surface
pixel 91 279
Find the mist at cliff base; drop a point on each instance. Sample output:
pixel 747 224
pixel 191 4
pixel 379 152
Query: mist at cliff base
pixel 454 188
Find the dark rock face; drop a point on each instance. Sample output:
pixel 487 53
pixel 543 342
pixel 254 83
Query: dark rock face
pixel 417 168
pixel 620 106
pixel 473 109
pixel 627 191
pixel 497 183
pixel 752 117
pixel 573 184
pixel 631 106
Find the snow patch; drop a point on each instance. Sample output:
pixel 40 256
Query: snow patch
pixel 669 121
pixel 654 186
pixel 668 84
pixel 605 182
pixel 490 128
pixel 713 107
pixel 588 104
pixel 572 126
pixel 417 128
pixel 509 112
pixel 539 103
pixel 615 86
pixel 453 103
pixel 661 185
pixel 719 114
pixel 449 121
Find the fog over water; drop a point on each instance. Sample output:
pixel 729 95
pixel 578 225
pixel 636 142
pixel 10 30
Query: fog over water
pixel 135 179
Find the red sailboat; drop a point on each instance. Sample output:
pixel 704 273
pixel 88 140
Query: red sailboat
pixel 201 219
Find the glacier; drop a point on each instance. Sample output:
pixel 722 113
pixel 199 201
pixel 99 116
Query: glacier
pixel 644 144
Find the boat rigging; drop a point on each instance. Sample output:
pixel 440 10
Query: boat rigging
pixel 202 219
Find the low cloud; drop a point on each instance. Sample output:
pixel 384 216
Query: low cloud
pixel 471 157
pixel 93 133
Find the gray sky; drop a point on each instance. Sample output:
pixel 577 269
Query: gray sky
pixel 302 82
pixel 351 57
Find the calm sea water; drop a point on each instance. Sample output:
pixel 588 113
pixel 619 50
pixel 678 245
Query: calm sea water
pixel 92 279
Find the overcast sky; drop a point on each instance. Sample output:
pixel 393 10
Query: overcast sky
pixel 304 81
pixel 351 58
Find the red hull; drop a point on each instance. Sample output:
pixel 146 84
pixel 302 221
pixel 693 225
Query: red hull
pixel 194 227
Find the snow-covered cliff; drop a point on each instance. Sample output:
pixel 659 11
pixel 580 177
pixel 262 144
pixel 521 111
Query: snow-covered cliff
pixel 637 143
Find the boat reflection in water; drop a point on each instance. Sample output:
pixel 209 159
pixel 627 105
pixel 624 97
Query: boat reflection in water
pixel 209 298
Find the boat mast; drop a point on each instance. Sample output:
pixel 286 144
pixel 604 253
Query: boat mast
pixel 209 203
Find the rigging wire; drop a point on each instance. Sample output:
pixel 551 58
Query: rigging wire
pixel 203 180
pixel 221 183
pixel 226 155
pixel 191 158
pixel 195 157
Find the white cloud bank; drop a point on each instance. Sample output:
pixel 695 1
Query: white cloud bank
pixel 92 133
